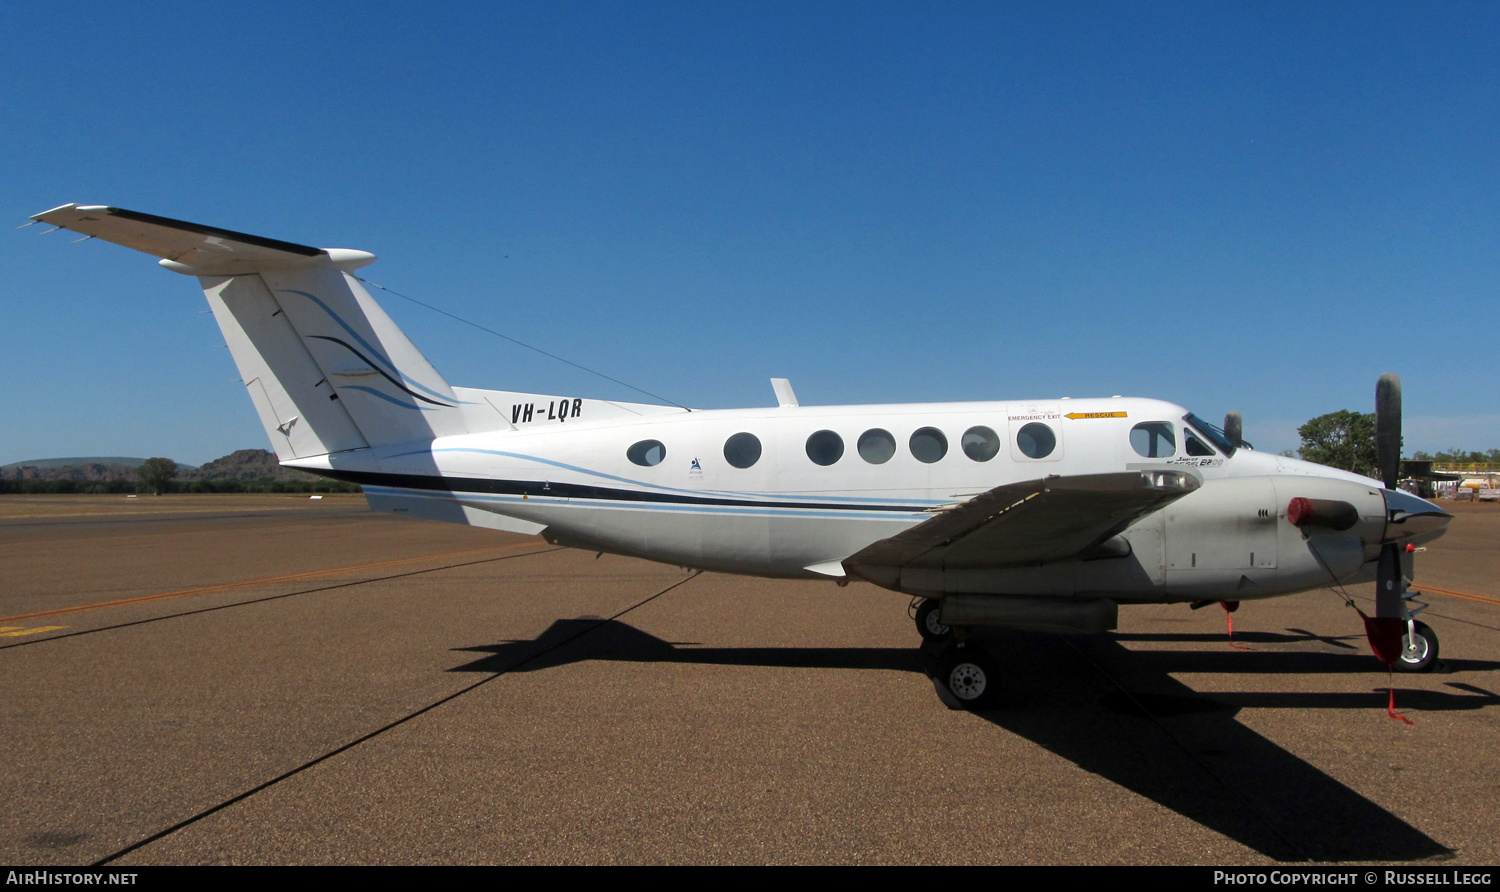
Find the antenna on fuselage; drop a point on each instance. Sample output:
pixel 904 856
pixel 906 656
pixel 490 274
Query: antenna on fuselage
pixel 785 397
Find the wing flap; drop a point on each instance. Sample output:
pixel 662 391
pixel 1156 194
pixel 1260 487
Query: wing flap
pixel 1032 522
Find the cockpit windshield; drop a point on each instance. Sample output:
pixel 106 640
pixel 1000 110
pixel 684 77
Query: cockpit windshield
pixel 1219 438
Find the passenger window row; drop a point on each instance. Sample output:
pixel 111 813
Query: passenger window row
pixel 876 446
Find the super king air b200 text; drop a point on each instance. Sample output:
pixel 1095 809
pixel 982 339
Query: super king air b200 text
pixel 1038 514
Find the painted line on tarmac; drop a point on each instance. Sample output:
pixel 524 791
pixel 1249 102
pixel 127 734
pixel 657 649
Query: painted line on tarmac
pixel 18 631
pixel 267 581
pixel 170 513
pixel 310 591
pixel 180 825
pixel 1442 591
pixel 1370 599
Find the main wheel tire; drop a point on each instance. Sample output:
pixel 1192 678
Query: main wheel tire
pixel 928 624
pixel 970 676
pixel 1419 650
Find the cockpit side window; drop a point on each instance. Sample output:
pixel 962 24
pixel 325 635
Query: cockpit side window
pixel 1154 439
pixel 1195 446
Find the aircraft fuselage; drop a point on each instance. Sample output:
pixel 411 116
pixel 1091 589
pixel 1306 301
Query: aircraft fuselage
pixel 886 468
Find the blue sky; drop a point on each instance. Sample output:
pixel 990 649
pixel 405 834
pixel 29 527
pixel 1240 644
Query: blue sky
pixel 1255 206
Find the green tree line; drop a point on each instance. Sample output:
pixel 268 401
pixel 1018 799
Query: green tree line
pixel 1457 456
pixel 1347 440
pixel 121 487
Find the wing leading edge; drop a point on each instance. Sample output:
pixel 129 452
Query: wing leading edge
pixel 1032 522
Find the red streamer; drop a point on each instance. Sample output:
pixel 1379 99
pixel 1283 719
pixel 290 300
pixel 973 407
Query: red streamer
pixel 1229 608
pixel 1390 706
pixel 1384 633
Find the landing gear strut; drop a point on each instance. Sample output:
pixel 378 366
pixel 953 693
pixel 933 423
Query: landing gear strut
pixel 1419 644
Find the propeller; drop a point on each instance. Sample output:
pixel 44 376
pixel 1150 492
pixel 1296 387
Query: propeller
pixel 1406 518
pixel 1234 428
pixel 1388 427
pixel 1389 582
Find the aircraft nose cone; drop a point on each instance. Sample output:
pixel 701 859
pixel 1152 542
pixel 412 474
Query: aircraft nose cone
pixel 1410 520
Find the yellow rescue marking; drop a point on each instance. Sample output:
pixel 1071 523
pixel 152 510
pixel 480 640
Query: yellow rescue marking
pixel 1443 591
pixel 266 581
pixel 17 631
pixel 1095 415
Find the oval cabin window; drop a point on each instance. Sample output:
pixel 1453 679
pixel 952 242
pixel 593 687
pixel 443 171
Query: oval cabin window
pixel 1036 440
pixel 647 453
pixel 928 445
pixel 742 450
pixel 876 446
pixel 825 448
pixel 981 443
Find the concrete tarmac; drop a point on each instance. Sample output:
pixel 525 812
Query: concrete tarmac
pixel 278 680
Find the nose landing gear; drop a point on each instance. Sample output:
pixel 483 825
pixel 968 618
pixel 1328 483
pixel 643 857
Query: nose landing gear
pixel 1419 648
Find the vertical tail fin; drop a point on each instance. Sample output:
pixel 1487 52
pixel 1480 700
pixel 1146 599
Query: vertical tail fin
pixel 327 369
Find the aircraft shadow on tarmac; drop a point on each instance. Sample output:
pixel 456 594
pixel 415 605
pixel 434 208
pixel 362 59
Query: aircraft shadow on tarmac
pixel 1125 718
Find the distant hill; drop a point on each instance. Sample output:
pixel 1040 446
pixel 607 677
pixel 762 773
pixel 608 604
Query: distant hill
pixel 89 470
pixel 246 464
pixel 113 460
pixel 248 470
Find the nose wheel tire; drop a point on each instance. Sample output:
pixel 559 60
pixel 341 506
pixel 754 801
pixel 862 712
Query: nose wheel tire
pixel 970 676
pixel 928 624
pixel 1419 649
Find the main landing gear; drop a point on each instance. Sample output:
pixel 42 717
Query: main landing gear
pixel 928 625
pixel 965 675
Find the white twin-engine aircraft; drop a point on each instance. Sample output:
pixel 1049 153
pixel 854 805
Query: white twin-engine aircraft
pixel 1039 514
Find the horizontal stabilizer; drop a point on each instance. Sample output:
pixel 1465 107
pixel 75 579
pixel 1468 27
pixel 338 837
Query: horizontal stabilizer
pixel 203 250
pixel 327 369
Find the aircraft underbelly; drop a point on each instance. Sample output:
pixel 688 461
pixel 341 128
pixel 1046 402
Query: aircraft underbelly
pixel 1131 578
pixel 735 541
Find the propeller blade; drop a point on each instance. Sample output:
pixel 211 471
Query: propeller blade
pixel 1388 427
pixel 1234 428
pixel 1389 584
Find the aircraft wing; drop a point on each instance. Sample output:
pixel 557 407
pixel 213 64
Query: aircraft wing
pixel 190 244
pixel 1024 523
